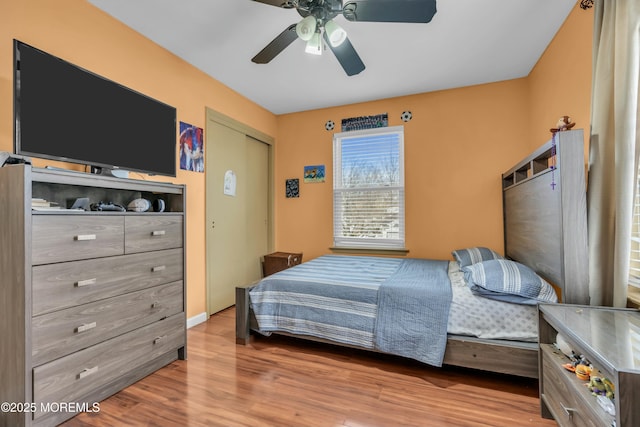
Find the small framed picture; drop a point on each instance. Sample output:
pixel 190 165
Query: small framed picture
pixel 292 188
pixel 314 173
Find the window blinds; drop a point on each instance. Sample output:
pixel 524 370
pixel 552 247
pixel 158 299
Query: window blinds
pixel 368 188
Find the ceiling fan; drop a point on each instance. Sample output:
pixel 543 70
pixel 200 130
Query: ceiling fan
pixel 317 25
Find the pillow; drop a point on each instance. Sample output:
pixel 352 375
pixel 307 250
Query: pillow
pixel 509 281
pixel 470 256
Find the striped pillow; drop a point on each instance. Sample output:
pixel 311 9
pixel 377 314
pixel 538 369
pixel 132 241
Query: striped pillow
pixel 470 256
pixel 509 281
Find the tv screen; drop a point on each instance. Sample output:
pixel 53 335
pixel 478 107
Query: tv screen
pixel 66 113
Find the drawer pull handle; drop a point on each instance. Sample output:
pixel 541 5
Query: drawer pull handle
pixel 86 372
pixel 158 339
pixel 85 327
pixel 568 411
pixel 158 233
pixel 158 268
pixel 86 282
pixel 81 237
pixel 155 305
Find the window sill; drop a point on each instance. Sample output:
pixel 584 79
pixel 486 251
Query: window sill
pixel 633 297
pixel 372 251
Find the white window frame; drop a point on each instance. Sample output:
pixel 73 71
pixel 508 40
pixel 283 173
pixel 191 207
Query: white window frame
pixel 394 238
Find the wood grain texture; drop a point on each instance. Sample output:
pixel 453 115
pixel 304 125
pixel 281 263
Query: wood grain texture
pixel 149 289
pixel 59 238
pixel 55 286
pixel 61 332
pixel 15 304
pixel 284 382
pixel 153 232
pixel 62 380
pixel 545 215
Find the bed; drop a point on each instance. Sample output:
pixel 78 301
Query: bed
pixel 383 303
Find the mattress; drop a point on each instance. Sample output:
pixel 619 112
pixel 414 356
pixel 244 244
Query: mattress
pixel 334 288
pixel 480 317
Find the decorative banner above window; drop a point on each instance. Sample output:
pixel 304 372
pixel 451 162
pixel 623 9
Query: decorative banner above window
pixel 191 148
pixel 365 122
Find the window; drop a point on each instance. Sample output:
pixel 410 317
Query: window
pixel 634 265
pixel 368 189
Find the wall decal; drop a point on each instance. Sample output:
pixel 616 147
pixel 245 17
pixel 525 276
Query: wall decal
pixel 406 116
pixel 365 122
pixel 314 173
pixel 292 188
pixel 191 148
pixel 329 125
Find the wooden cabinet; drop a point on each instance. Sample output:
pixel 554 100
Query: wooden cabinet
pixel 610 339
pixel 279 261
pixel 90 302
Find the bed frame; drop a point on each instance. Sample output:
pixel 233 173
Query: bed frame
pixel 545 227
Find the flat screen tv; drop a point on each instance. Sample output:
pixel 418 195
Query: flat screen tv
pixel 66 113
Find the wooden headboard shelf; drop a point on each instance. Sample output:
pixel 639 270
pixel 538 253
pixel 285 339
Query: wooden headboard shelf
pixel 545 219
pixel 538 162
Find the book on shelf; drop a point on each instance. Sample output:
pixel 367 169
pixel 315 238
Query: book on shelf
pixel 43 203
pixel 46 208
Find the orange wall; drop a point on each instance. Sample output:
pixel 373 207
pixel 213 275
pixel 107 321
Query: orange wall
pixel 80 33
pixel 456 147
pixel 560 83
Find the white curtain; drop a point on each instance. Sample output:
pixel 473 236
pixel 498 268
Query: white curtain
pixel 614 147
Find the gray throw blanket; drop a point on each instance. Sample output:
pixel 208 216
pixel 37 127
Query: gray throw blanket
pixel 413 311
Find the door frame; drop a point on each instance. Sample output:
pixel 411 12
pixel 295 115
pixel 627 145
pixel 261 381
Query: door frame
pixel 219 118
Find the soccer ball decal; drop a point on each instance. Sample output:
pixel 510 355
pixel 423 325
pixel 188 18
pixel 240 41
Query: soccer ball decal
pixel 329 125
pixel 406 116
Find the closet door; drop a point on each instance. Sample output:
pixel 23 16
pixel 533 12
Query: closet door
pixel 237 212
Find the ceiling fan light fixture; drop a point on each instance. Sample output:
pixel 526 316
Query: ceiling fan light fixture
pixel 314 45
pixel 306 28
pixel 336 34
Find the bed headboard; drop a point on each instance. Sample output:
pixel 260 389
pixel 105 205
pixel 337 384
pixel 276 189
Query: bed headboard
pixel 545 215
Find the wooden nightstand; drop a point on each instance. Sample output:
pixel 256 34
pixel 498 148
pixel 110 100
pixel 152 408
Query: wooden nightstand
pixel 610 339
pixel 279 261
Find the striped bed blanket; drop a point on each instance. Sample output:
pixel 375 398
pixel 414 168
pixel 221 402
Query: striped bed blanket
pixel 398 306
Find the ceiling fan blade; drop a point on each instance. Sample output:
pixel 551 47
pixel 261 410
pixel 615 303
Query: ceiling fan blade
pixel 418 11
pixel 276 46
pixel 279 3
pixel 347 56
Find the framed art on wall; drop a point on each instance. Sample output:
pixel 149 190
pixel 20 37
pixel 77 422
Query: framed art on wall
pixel 314 173
pixel 191 148
pixel 292 188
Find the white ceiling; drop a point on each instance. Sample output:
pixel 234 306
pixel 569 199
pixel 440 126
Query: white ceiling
pixel 468 42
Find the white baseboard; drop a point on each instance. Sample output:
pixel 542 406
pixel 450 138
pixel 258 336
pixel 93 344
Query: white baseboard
pixel 196 320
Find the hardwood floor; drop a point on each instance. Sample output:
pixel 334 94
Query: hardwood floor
pixel 285 382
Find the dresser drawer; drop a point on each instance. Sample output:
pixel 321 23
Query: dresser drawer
pixel 153 232
pixel 68 284
pixel 567 396
pixel 58 238
pixel 62 332
pixel 71 378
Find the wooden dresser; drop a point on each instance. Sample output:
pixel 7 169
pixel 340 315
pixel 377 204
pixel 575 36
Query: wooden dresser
pixel 610 339
pixel 90 301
